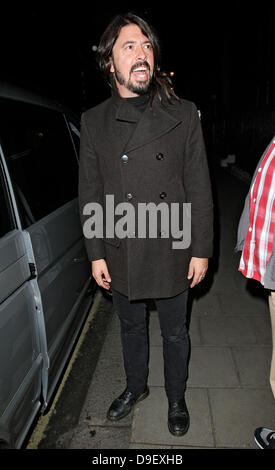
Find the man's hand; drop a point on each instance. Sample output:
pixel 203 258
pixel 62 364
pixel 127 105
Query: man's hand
pixel 101 274
pixel 197 270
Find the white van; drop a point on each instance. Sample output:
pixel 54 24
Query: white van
pixel 46 289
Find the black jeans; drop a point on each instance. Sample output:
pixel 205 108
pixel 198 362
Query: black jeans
pixel 134 336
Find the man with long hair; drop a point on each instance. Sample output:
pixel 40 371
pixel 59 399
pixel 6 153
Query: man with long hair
pixel 144 145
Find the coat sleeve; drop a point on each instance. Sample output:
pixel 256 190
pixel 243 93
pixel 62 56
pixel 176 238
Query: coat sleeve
pixel 90 187
pixel 197 185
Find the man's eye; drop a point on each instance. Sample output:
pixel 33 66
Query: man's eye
pixel 148 46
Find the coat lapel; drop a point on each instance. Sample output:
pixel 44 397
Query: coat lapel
pixel 151 125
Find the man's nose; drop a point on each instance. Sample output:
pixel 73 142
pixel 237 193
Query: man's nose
pixel 140 52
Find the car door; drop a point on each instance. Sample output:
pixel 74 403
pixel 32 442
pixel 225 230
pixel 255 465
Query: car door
pixel 22 350
pixel 43 167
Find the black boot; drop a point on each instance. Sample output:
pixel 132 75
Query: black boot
pixel 122 405
pixel 178 418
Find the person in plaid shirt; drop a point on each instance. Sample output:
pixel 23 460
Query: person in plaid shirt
pixel 256 241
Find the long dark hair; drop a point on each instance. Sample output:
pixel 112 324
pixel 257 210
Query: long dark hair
pixel 160 80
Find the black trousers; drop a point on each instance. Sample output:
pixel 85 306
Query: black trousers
pixel 134 336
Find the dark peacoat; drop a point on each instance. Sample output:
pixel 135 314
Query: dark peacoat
pixel 157 156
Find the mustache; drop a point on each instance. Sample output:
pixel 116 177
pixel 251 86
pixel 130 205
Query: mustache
pixel 141 63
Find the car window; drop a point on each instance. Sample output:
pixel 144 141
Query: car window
pixel 6 223
pixel 40 157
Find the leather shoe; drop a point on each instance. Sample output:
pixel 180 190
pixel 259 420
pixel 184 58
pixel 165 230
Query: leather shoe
pixel 122 405
pixel 178 418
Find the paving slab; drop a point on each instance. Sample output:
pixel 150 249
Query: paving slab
pixel 262 326
pixel 238 412
pixel 227 330
pixel 150 420
pixel 243 303
pixel 253 364
pixel 208 367
pixel 212 367
pixel 222 282
pixel 205 305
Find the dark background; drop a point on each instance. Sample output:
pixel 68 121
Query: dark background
pixel 222 55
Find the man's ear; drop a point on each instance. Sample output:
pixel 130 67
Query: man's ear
pixel 111 65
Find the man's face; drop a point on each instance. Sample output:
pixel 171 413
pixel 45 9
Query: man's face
pixel 132 62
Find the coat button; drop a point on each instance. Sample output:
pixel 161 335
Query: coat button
pixel 162 195
pixel 129 196
pixel 159 156
pixel 124 159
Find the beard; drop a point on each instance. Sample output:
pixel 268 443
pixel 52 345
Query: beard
pixel 140 88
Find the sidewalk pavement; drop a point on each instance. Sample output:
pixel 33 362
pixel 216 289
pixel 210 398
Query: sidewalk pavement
pixel 228 392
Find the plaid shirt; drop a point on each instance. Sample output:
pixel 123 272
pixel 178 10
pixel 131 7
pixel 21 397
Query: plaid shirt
pixel 259 238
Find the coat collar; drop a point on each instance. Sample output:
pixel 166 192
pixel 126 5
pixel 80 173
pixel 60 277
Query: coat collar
pixel 126 111
pixel 154 122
